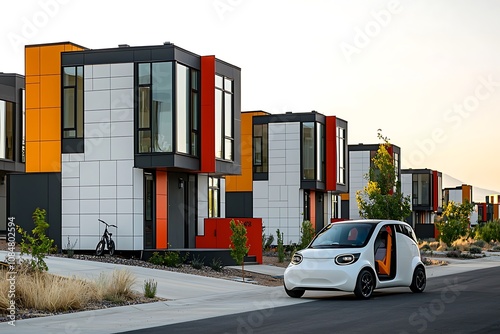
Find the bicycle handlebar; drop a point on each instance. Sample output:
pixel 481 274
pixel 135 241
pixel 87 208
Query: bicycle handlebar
pixel 109 225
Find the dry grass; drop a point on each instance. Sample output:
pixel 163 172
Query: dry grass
pixel 47 292
pixel 117 286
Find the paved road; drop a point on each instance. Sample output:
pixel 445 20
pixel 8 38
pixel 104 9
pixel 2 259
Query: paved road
pixel 463 303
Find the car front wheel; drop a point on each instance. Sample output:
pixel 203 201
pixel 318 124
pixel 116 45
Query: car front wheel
pixel 419 280
pixel 294 293
pixel 364 284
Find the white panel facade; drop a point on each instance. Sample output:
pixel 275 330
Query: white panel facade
pixel 102 183
pixel 202 203
pixel 278 200
pixel 359 166
pixel 406 186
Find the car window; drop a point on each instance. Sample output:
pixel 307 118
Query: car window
pixel 343 235
pixel 406 230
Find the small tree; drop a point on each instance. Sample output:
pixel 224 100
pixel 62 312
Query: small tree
pixel 489 231
pixel 38 245
pixel 382 198
pixel 281 248
pixel 455 222
pixel 307 234
pixel 239 248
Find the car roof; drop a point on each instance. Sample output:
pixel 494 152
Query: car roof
pixel 370 221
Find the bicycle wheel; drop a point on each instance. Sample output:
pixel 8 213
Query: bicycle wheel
pixel 111 247
pixel 99 250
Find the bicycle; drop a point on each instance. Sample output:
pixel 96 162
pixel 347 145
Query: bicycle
pixel 106 241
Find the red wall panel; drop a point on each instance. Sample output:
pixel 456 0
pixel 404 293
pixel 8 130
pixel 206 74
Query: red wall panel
pixel 207 164
pixel 331 153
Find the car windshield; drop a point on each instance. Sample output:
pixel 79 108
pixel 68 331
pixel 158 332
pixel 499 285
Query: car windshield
pixel 343 235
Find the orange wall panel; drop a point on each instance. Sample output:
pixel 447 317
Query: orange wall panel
pixel 50 59
pixel 50 91
pixel 33 153
pixel 312 207
pixel 32 95
pixel 32 60
pixel 32 127
pixel 161 210
pixel 50 156
pixel 344 196
pixel 50 124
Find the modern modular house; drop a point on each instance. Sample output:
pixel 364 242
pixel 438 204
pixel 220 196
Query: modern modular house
pixel 424 186
pixel 12 139
pixel 360 161
pixel 140 137
pixel 459 195
pixel 490 209
pixel 294 168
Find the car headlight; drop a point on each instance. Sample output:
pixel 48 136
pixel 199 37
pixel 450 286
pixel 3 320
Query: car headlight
pixel 296 258
pixel 345 259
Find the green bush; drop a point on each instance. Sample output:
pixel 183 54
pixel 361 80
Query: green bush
pixel 197 262
pixel 150 288
pixel 216 264
pixel 479 243
pixel 307 231
pixel 38 245
pixel 157 259
pixel 489 231
pixel 475 249
pixel 496 249
pixel 173 259
pixel 425 248
pixel 239 240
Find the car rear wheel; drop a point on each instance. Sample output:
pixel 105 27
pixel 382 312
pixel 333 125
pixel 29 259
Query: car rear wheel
pixel 419 280
pixel 364 284
pixel 294 293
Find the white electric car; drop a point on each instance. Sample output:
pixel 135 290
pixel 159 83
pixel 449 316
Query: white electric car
pixel 358 256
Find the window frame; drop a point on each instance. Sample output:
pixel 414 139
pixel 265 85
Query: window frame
pixel 78 89
pixel 224 122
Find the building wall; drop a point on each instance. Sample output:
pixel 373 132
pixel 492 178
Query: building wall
pixel 102 183
pixel 278 200
pixel 359 166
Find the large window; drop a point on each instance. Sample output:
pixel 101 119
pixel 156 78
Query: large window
pixel 341 177
pixel 260 148
pixel 213 197
pixel 72 113
pixel 224 140
pixel 187 100
pixel 421 190
pixel 313 151
pixel 7 130
pixel 155 108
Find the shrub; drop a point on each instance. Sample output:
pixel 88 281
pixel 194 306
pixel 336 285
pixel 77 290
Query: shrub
pixel 479 243
pixel 268 242
pixel 157 259
pixel 173 259
pixel 425 247
pixel 489 231
pixel 454 253
pixel 239 248
pixel 281 249
pixel 475 249
pixel 38 245
pixel 216 264
pixel 307 234
pixel 496 249
pixel 150 288
pixel 197 262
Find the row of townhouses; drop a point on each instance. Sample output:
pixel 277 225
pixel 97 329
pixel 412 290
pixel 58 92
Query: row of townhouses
pixel 153 139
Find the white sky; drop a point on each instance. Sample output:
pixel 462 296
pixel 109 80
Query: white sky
pixel 417 73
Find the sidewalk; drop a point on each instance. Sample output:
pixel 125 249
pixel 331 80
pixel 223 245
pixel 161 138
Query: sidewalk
pixel 190 297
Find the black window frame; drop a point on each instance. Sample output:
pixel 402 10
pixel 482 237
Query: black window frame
pixel 78 103
pixel 214 194
pixel 9 153
pixel 226 153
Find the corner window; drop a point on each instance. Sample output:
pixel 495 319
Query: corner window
pixel 72 105
pixel 7 130
pixel 260 148
pixel 224 140
pixel 213 197
pixel 187 96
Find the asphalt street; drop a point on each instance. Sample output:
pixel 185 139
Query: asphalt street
pixel 468 302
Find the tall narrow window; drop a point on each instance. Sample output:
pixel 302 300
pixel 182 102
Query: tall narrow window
pixel 335 206
pixel 320 152
pixel 23 125
pixel 187 109
pixel 213 197
pixel 194 111
pixel 260 148
pixel 341 155
pixel 308 151
pixel 224 140
pixel 7 130
pixel 72 113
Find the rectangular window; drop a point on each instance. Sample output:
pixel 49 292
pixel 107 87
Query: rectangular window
pixel 320 152
pixel 213 197
pixel 72 113
pixel 7 130
pixel 224 135
pixel 421 190
pixel 23 120
pixel 187 109
pixel 308 151
pixel 260 148
pixel 335 206
pixel 341 158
